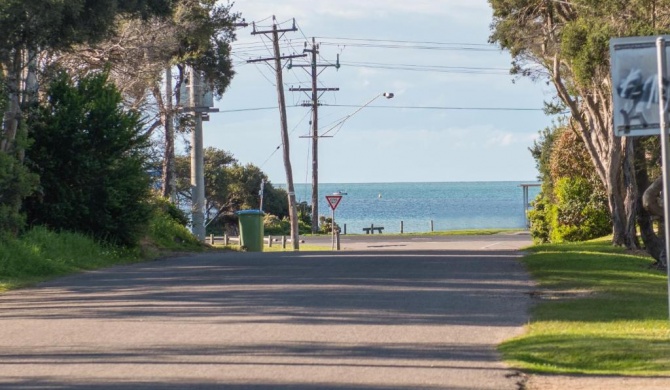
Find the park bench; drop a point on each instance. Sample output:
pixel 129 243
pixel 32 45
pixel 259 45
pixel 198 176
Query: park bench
pixel 371 229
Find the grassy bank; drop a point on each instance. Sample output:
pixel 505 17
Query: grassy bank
pixel 41 254
pixel 599 310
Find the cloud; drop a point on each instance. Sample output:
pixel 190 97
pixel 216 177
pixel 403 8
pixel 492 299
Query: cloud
pixel 500 139
pixel 448 154
pixel 356 9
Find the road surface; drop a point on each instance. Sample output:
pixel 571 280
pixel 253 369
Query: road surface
pixel 502 241
pixel 362 320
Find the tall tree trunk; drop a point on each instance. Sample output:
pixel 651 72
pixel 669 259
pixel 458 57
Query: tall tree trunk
pixel 169 185
pixel 12 114
pixel 632 197
pixel 616 199
pixel 648 207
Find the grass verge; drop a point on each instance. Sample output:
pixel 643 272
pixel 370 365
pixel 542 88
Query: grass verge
pixel 41 254
pixel 600 310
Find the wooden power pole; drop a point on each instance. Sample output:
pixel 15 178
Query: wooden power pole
pixel 314 104
pixel 293 211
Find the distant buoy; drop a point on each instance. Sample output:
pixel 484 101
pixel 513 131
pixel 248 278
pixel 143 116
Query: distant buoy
pixel 380 195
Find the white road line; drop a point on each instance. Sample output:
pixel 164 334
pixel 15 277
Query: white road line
pixel 490 245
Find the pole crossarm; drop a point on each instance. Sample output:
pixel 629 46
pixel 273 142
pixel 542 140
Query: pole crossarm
pixel 274 30
pixel 302 89
pixel 198 109
pixel 275 58
pixel 318 65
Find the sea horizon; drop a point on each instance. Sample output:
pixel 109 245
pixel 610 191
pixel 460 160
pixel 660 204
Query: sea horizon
pixel 535 181
pixel 418 206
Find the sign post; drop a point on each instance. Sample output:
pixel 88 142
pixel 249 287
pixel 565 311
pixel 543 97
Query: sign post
pixel 333 201
pixel 637 85
pixel 662 113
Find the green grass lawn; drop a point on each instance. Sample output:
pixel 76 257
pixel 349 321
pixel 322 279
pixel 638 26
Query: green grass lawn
pixel 600 310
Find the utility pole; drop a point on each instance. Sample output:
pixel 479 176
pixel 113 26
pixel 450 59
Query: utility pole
pixel 198 107
pixel 314 103
pixel 197 161
pixel 293 212
pixel 169 186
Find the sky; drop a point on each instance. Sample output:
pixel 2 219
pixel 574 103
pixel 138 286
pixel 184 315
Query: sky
pixel 456 115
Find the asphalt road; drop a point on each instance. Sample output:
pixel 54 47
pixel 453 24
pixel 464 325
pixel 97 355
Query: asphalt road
pixel 376 319
pixel 503 241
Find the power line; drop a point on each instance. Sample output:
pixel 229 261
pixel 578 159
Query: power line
pixel 383 44
pixel 415 45
pixel 444 108
pixel 427 68
pixel 398 107
pixel 292 131
pixel 405 41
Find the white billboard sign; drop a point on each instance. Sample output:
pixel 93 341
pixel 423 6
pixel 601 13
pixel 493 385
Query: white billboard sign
pixel 634 68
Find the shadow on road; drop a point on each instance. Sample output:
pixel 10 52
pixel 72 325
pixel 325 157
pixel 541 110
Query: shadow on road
pixel 384 288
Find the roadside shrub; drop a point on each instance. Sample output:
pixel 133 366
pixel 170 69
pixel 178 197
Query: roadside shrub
pixel 274 226
pixel 572 205
pixel 580 213
pixel 167 232
pixel 540 219
pixel 171 210
pixel 326 225
pixel 91 156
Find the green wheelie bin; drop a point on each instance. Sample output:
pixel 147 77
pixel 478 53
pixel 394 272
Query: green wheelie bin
pixel 251 230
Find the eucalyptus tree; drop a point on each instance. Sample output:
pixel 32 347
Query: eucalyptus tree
pixel 204 31
pixel 27 29
pixel 140 58
pixel 567 44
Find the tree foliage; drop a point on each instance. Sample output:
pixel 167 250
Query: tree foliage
pixel 205 30
pixel 58 24
pixel 231 186
pixel 567 44
pixel 198 34
pixel 91 157
pixel 16 182
pixel 27 29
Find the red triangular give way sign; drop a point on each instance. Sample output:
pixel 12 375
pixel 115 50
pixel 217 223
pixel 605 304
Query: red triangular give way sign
pixel 333 200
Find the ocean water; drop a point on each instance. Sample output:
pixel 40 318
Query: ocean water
pixel 451 206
